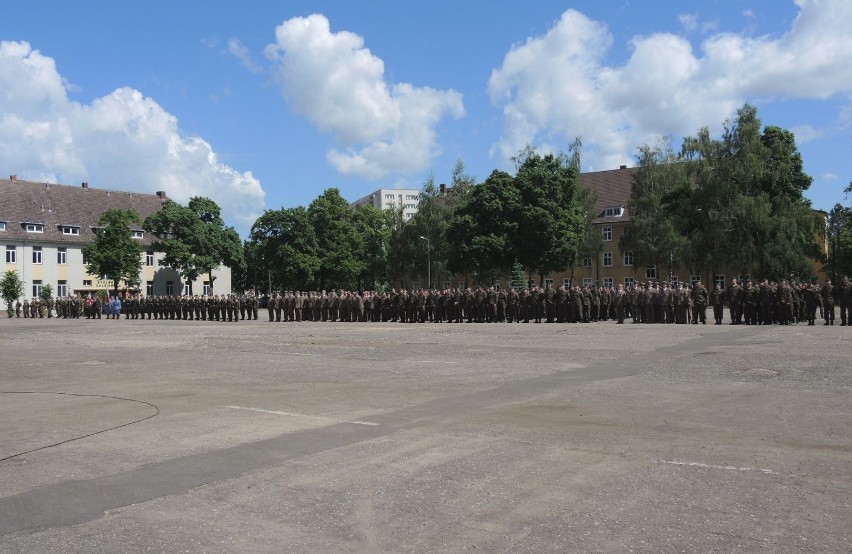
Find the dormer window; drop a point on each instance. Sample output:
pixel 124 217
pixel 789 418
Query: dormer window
pixel 137 234
pixel 70 230
pixel 34 228
pixel 614 212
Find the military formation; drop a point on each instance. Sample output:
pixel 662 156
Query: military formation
pixel 748 303
pixel 224 307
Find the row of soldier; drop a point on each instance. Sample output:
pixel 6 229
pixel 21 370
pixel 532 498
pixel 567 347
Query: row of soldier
pixel 749 303
pixel 225 307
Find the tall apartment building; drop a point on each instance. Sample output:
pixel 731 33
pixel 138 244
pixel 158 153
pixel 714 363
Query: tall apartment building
pixel 392 199
pixel 44 226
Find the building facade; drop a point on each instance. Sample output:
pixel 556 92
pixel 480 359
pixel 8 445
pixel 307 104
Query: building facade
pixel 392 199
pixel 44 226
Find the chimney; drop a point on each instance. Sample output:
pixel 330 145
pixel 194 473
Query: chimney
pixel 161 194
pixel 443 188
pixel 85 185
pixel 13 178
pixel 623 167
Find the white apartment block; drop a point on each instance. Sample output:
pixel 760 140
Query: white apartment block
pixel 392 199
pixel 44 226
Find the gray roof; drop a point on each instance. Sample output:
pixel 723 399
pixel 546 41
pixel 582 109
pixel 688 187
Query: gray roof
pixel 58 206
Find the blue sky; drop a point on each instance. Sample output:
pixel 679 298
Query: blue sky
pixel 265 105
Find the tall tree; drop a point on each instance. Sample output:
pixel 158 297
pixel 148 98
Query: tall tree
pixel 372 229
pixel 330 217
pixel 660 194
pixel 839 261
pixel 114 252
pixel 484 229
pixel 551 220
pixel 284 247
pixel 749 211
pixel 194 238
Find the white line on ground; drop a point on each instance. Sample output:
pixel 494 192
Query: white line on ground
pixel 711 466
pixel 300 415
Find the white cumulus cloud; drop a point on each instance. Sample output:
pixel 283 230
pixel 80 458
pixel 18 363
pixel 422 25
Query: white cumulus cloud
pixel 557 86
pixel 123 140
pixel 338 84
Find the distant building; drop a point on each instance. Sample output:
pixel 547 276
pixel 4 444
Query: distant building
pixel 44 226
pixel 392 199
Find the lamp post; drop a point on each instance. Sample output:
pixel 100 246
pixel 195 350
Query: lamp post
pixel 428 261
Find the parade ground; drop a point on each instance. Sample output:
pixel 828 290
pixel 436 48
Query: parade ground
pixel 174 436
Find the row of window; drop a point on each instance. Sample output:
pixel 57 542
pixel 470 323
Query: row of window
pixel 390 196
pixel 61 256
pixel 66 229
pixel 62 288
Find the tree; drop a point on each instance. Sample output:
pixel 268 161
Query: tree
pixel 114 253
pixel 11 288
pixel 330 217
pixel 46 292
pixel 484 229
pixel 839 260
pixel 659 196
pixel 747 207
pixel 194 238
pixel 372 229
pixel 283 246
pixel 551 221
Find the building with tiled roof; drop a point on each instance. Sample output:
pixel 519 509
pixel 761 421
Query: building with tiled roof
pixel 43 228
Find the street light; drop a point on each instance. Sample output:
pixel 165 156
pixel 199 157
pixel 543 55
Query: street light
pixel 428 261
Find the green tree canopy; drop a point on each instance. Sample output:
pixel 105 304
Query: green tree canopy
pixel 114 252
pixel 11 286
pixel 194 238
pixel 284 247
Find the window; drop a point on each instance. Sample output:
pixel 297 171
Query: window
pixel 35 228
pixel 170 288
pixel 207 288
pixel 61 258
pixel 36 288
pixel 87 282
pixel 607 234
pixel 70 230
pixel 448 285
pixel 566 282
pixel 390 196
pixel 2 225
pixel 587 282
pixel 548 283
pixel 614 212
pixel 411 197
pixel 673 280
pixel 85 259
pixel 607 282
pixel 36 254
pixel 389 205
pixel 587 262
pixel 651 272
pixel 744 278
pixel 415 285
pixel 629 281
pixel 694 279
pixel 628 258
pixel 149 258
pixel 719 280
pixel 411 206
pixel 62 288
pixel 149 288
pixel 11 255
pixel 187 289
pixel 461 286
pixel 137 234
pixel 607 259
